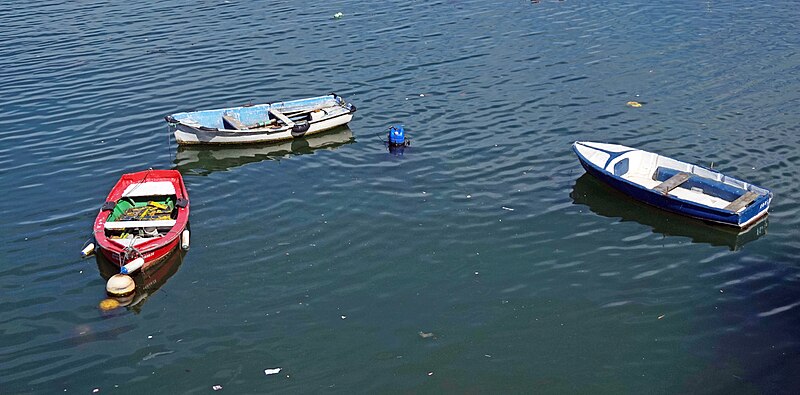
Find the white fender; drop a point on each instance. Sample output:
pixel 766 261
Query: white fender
pixel 88 250
pixel 132 266
pixel 185 239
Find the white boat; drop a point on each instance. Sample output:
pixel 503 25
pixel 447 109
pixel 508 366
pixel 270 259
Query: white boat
pixel 261 123
pixel 676 186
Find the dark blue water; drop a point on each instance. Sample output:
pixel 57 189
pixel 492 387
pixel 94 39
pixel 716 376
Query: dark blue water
pixel 480 261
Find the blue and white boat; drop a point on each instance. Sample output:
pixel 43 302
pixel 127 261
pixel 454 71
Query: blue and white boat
pixel 261 123
pixel 676 186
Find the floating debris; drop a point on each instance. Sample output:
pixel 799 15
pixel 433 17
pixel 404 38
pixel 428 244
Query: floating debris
pixel 662 316
pixel 216 387
pixel 109 304
pixel 337 15
pixel 272 371
pixel 507 208
pixel 426 335
pixel 344 317
pixel 153 355
pixel 634 104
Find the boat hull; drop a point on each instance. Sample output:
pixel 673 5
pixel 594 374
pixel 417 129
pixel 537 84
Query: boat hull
pixel 187 135
pixel 742 219
pixel 262 123
pixel 122 251
pixel 152 256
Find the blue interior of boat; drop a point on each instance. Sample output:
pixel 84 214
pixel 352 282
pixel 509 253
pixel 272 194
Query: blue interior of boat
pixel 621 167
pixel 707 185
pixel 250 115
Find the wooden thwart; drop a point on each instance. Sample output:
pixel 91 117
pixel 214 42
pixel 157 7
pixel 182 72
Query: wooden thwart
pixel 282 117
pixel 671 183
pixel 117 225
pixel 233 122
pixel 742 201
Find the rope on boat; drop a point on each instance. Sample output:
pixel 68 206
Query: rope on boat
pixel 142 181
pixel 169 148
pixel 131 252
pixel 89 240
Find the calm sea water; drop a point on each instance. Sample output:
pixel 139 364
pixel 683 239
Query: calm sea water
pixel 480 261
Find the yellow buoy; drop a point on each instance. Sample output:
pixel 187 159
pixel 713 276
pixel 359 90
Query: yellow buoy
pixel 109 304
pixel 120 285
pixel 634 104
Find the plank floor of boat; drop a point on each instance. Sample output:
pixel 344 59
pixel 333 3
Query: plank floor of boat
pixel 680 192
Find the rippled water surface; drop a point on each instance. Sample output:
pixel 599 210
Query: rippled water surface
pixel 482 260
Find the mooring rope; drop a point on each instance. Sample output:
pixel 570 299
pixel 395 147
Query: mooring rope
pixel 131 251
pixel 140 182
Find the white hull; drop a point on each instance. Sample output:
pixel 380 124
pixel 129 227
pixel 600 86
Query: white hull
pixel 253 136
pixel 674 185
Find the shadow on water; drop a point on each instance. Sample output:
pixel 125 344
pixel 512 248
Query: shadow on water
pixel 147 282
pixel 207 159
pixel 609 202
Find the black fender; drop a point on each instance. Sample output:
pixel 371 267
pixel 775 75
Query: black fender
pixel 300 128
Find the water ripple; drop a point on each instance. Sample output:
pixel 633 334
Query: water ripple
pixel 329 258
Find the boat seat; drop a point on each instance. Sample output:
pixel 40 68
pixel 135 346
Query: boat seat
pixel 229 122
pixel 149 188
pixel 119 225
pixel 671 183
pixel 742 201
pixel 282 117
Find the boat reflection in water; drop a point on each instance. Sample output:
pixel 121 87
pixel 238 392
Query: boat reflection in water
pixel 205 159
pixel 608 202
pixel 147 282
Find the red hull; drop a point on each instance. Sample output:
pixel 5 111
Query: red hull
pixel 154 250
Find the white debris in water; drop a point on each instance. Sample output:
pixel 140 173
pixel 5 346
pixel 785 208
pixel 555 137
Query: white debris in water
pixel 344 316
pixel 272 371
pixel 216 387
pixel 153 355
pixel 507 208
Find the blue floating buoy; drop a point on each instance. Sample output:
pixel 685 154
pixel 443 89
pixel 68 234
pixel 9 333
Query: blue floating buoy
pixel 397 140
pixel 397 135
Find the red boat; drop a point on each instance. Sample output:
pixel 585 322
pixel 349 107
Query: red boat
pixel 146 215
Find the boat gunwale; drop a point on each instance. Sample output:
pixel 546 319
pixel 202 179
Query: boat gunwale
pixel 247 132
